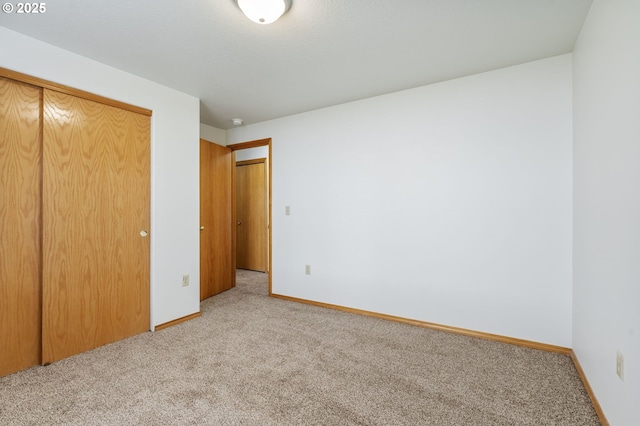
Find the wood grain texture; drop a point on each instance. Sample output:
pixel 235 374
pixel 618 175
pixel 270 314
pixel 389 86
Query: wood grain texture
pixel 233 218
pixel 250 144
pixel 20 214
pixel 251 215
pixel 61 88
pixel 217 271
pixel 95 203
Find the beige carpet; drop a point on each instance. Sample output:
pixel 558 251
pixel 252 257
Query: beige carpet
pixel 253 360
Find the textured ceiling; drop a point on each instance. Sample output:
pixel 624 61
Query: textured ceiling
pixel 321 53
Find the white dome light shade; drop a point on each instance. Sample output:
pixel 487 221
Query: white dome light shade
pixel 264 11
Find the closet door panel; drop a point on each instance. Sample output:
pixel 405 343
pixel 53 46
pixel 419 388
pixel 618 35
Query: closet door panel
pixel 95 207
pixel 20 266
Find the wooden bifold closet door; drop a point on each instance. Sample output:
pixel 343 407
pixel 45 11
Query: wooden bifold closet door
pixel 20 255
pixel 95 215
pixel 74 217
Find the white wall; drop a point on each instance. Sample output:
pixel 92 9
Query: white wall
pixel 607 205
pixel 449 203
pixel 174 159
pixel 252 153
pixel 213 134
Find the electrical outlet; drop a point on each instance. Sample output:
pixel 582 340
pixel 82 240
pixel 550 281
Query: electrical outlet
pixel 185 280
pixel 287 210
pixel 307 269
pixel 620 365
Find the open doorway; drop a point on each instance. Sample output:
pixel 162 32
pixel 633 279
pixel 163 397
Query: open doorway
pixel 252 207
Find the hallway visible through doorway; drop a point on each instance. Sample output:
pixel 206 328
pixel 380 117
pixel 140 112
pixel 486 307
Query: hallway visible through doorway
pixel 252 282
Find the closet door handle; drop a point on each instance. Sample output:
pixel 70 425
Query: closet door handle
pixel 143 233
pixel 202 228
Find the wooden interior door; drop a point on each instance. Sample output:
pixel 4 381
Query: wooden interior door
pixel 95 214
pixel 251 215
pixel 20 252
pixel 217 271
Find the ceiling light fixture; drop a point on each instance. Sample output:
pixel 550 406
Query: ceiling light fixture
pixel 237 121
pixel 264 11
